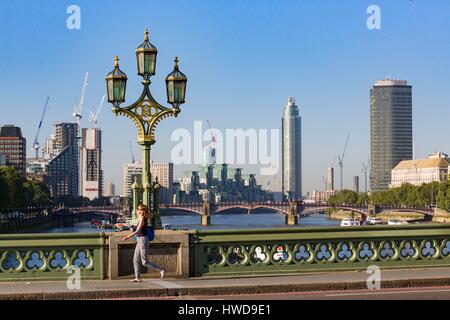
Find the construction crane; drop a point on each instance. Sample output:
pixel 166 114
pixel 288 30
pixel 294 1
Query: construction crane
pixel 36 142
pixel 79 108
pixel 213 138
pixel 212 151
pixel 132 154
pixel 365 168
pixel 93 118
pixel 341 158
pixel 332 163
pixel 325 182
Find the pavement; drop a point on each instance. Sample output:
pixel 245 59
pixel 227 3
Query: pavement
pixel 324 282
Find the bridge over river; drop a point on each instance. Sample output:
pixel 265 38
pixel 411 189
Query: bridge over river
pixel 299 208
pixel 64 216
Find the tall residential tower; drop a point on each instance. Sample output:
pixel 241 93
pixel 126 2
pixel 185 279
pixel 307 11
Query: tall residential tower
pixel 63 167
pixel 330 178
pixel 291 152
pixel 390 129
pixel 91 163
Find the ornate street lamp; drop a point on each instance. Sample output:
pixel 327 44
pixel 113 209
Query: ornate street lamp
pixel 176 87
pixel 146 58
pixel 146 113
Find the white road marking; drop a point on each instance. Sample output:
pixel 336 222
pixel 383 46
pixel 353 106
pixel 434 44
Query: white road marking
pixel 167 284
pixel 383 292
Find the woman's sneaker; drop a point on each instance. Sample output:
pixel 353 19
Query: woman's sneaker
pixel 162 272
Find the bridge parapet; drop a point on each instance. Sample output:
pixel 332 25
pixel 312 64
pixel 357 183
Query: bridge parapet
pixel 50 256
pixel 238 252
pixel 230 252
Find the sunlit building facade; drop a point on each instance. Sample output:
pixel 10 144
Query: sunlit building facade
pixel 291 152
pixel 390 129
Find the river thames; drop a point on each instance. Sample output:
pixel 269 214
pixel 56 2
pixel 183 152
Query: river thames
pixel 218 221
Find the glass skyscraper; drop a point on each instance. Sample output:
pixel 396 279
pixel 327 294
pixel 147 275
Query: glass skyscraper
pixel 391 138
pixel 291 152
pixel 63 168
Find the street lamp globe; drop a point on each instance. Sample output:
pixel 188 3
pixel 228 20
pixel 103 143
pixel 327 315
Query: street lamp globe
pixel 146 58
pixel 176 86
pixel 116 83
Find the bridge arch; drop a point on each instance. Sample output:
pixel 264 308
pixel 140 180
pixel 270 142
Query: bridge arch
pixel 317 209
pixel 222 209
pixel 408 210
pixel 278 210
pixel 184 210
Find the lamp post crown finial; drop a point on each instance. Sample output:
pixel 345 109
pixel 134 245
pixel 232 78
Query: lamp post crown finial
pixel 146 34
pixel 176 62
pixel 116 61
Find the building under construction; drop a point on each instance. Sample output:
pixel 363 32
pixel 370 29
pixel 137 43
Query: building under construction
pixel 91 163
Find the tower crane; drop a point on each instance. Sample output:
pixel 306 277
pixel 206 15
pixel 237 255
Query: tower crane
pixel 93 118
pixel 332 163
pixel 325 182
pixel 36 142
pixel 341 158
pixel 132 154
pixel 213 138
pixel 212 151
pixel 79 108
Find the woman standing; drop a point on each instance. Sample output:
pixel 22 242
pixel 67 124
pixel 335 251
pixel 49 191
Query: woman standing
pixel 141 251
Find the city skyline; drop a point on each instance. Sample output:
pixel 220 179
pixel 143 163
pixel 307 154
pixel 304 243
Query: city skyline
pixel 339 57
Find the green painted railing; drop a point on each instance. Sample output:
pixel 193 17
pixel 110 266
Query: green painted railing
pixel 49 256
pixel 233 252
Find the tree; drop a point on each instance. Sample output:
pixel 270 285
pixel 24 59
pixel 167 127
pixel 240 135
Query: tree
pixel 343 196
pixel 363 199
pixel 102 201
pixel 41 193
pixel 18 192
pixel 4 192
pixel 14 182
pixel 415 196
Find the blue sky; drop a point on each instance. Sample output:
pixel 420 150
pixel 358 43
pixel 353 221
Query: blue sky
pixel 243 58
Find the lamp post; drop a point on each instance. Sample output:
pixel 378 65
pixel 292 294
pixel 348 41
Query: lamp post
pixel 146 113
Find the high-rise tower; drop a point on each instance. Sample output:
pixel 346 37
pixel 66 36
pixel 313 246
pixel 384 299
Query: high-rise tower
pixel 390 129
pixel 63 168
pixel 91 163
pixel 291 152
pixel 356 184
pixel 330 178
